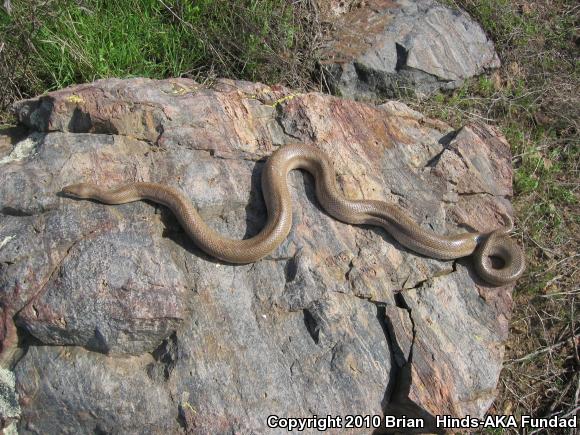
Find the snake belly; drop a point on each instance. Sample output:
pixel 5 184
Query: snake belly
pixel 483 246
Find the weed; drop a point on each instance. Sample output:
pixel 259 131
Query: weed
pixel 50 45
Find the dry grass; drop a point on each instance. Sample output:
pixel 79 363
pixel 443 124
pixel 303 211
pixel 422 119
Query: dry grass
pixel 535 99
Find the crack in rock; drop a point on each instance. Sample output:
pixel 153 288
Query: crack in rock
pixel 166 356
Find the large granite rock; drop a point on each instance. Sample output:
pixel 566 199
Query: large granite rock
pixel 383 48
pixel 124 326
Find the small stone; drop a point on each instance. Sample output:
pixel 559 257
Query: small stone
pixel 387 48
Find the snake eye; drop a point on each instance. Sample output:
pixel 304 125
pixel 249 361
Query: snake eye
pixel 80 190
pixel 70 190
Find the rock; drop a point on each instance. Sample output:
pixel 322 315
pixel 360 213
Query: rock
pixel 126 327
pixel 385 48
pixel 81 392
pixel 9 406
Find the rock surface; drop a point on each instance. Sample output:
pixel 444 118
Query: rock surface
pixel 126 327
pixel 382 48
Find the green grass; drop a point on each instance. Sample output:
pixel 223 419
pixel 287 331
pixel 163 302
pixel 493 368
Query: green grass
pixel 127 38
pixel 65 42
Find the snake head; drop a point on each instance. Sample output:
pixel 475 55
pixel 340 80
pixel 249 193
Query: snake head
pixel 80 190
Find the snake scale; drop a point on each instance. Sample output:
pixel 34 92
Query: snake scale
pixel 483 246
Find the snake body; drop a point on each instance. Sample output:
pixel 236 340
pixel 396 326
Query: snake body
pixel 483 246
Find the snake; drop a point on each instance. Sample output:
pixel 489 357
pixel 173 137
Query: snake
pixel 497 258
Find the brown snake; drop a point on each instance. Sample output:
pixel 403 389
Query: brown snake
pixel 483 246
